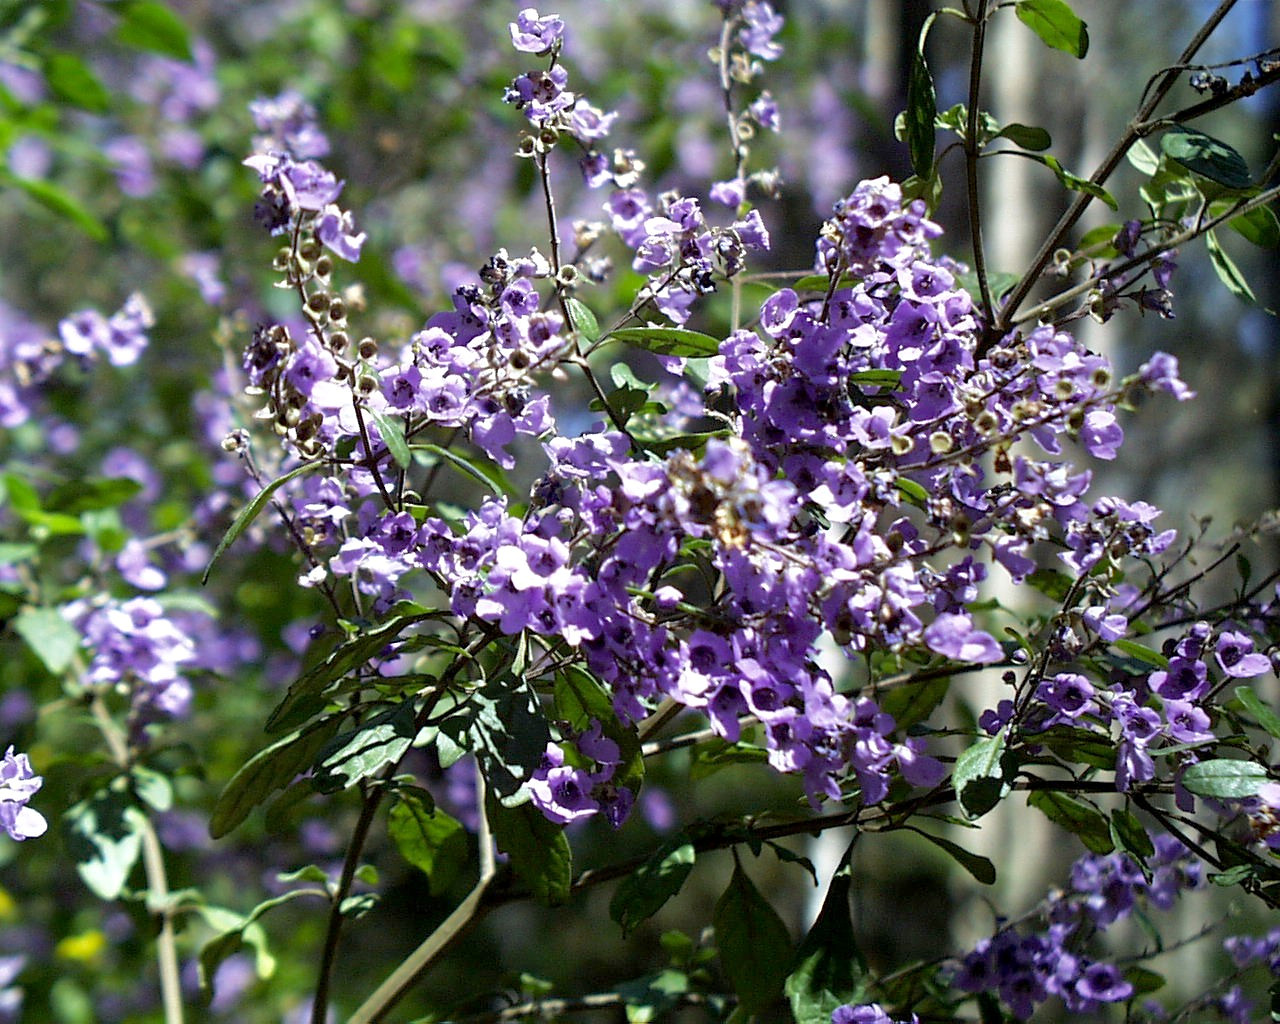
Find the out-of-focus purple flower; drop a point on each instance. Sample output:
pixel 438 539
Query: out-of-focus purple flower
pixel 135 566
pixel 131 162
pixel 203 268
pixel 954 636
pixel 760 24
pixel 1160 373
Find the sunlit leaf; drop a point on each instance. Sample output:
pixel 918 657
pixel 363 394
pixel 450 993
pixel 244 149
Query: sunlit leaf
pixel 1056 24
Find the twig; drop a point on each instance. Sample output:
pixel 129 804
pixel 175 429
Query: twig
pixel 1110 162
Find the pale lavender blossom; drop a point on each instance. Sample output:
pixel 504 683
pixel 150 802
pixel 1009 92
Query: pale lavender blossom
pixel 18 784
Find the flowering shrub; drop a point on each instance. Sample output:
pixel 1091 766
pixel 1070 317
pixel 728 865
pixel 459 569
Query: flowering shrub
pixel 511 582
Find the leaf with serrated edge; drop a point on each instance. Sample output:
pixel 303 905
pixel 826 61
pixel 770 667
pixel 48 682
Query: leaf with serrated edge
pixel 268 770
pixel 646 890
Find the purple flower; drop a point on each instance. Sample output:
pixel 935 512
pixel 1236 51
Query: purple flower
pixel 1069 694
pixel 531 33
pixel 561 792
pixel 18 784
pixel 1236 656
pixel 1160 373
pixel 1103 983
pixel 336 229
pixel 954 636
pixel 760 24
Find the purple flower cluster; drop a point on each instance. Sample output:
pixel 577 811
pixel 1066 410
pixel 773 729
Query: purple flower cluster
pixel 297 190
pixel 552 109
pixel 565 793
pixel 1026 968
pixel 680 253
pixel 138 648
pixel 18 784
pixel 1148 709
pixel 29 357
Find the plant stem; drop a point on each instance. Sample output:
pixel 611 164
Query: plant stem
pixel 457 925
pixel 971 153
pixel 153 867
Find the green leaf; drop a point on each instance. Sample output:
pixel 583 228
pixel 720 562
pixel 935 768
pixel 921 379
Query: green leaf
pixel 538 848
pixel 1143 158
pixel 1140 653
pixel 1265 717
pixel 1076 817
pixel 978 866
pixel 891 379
pixel 912 491
pixel 1056 24
pixel 391 430
pixel 1073 181
pixel 250 512
pixel 1223 778
pixel 647 998
pixel 104 838
pixel 90 494
pixel 236 931
pixel 269 770
pixel 999 282
pixel 647 889
pixel 61 203
pixel 1079 745
pixel 1227 271
pixel 152 26
pixel 1234 875
pixel 979 776
pixel 755 949
pixel 914 702
pixel 829 969
pixel 488 477
pixel 1053 583
pixel 1207 156
pixel 501 722
pixel 430 840
pixel 1129 835
pixel 582 319
pixel 1144 982
pixel 669 341
pixel 73 82
pixel 152 788
pixel 921 111
pixel 304 699
pixel 710 757
pixel 353 756
pixel 1027 136
pixel 1259 226
pixel 51 637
